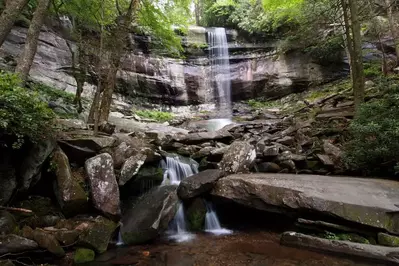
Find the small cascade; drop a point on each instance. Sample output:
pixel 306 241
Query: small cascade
pixel 212 224
pixel 220 69
pixel 120 240
pixel 178 228
pixel 176 170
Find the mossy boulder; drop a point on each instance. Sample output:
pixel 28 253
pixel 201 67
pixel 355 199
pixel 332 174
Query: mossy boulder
pixel 40 206
pixel 388 240
pixel 196 213
pixel 98 234
pixel 150 172
pixel 6 263
pixel 70 195
pixel 83 255
pixel 8 224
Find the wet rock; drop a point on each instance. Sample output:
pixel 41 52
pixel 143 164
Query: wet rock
pixel 238 158
pixel 150 215
pixel 217 154
pixel 41 206
pixel 96 235
pixel 359 200
pixel 16 244
pixel 388 240
pixel 70 195
pixel 31 165
pixel 83 255
pixel 71 124
pixel 131 167
pixel 44 240
pixel 287 155
pixel 8 225
pixel 188 150
pixel 66 237
pixel 268 167
pixel 204 152
pixel 150 172
pixel 288 164
pixel 198 184
pixel 196 213
pixel 103 185
pixel 40 221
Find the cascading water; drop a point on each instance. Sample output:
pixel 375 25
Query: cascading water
pixel 212 224
pixel 176 170
pixel 220 73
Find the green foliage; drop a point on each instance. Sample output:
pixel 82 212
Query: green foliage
pixel 155 115
pixel 22 112
pixel 261 105
pixel 52 94
pixel 372 70
pixel 329 50
pixel 345 237
pixel 374 148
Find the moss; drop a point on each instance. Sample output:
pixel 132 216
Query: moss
pixel 98 235
pixel 196 213
pixel 83 255
pixel 262 104
pixel 346 237
pixel 388 240
pixel 155 115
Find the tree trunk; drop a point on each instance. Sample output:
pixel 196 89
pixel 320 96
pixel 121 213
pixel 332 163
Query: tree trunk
pixel 392 25
pixel 197 12
pixel 358 69
pixel 25 60
pixel 9 16
pixel 119 40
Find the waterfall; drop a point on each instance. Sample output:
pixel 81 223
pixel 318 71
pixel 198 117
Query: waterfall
pixel 212 224
pixel 220 69
pixel 178 228
pixel 176 170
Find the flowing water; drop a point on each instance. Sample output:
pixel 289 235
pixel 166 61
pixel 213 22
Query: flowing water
pixel 176 170
pixel 220 74
pixel 212 224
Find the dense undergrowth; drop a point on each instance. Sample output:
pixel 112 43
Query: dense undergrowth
pixel 158 116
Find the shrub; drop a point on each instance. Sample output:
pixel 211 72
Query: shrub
pixel 22 113
pixel 374 147
pixel 261 104
pixel 155 115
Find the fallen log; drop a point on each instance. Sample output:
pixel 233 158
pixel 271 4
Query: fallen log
pixel 364 251
pixel 15 209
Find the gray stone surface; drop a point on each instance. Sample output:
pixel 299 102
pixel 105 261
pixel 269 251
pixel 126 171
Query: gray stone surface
pixel 238 158
pixel 16 244
pixel 103 185
pixel 198 184
pixel 372 202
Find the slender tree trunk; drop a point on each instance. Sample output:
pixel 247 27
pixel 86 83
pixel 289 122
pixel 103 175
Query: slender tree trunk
pixel 392 25
pixel 348 37
pixel 358 73
pixel 120 41
pixel 9 16
pixel 197 12
pixel 25 60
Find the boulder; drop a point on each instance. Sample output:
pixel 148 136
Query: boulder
pixel 97 234
pixel 131 167
pixel 8 225
pixel 271 151
pixel 16 244
pixel 44 240
pixel 198 184
pixel 70 195
pixel 150 215
pixel 196 213
pixel 83 255
pixel 371 202
pixel 6 263
pixel 201 137
pixel 238 158
pixel 121 152
pixel 331 149
pixel 32 164
pixel 103 185
pixel 388 240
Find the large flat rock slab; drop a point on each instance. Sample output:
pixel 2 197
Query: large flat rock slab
pixel 372 202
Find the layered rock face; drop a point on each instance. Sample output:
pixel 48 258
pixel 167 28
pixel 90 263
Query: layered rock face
pixel 256 71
